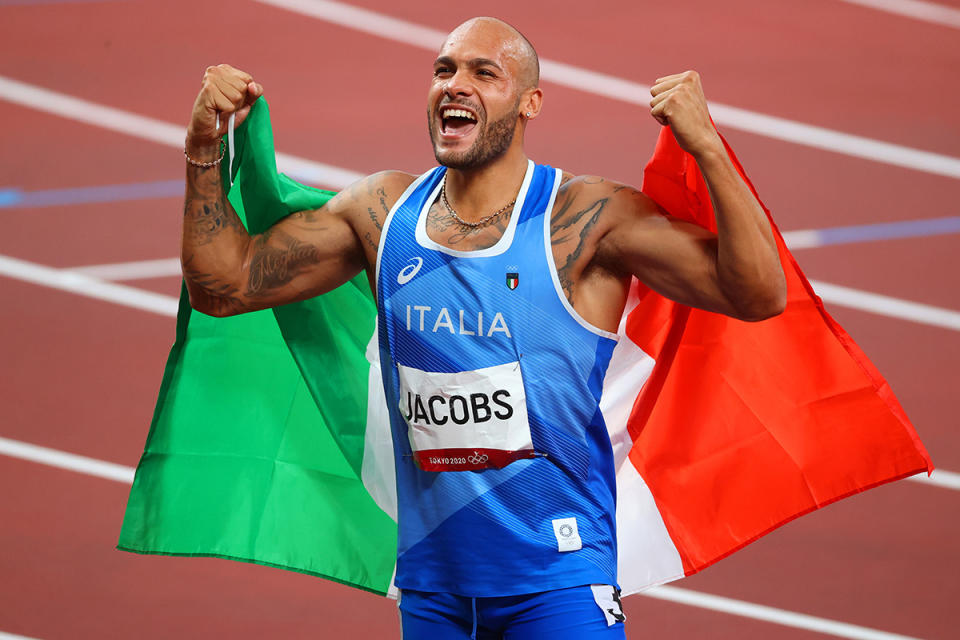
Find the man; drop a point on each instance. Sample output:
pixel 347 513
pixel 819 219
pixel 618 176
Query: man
pixel 500 285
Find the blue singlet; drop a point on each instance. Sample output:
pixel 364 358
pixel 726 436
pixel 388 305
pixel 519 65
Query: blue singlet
pixel 505 476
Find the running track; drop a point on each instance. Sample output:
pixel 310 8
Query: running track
pixel 80 374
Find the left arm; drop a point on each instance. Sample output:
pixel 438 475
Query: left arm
pixel 737 271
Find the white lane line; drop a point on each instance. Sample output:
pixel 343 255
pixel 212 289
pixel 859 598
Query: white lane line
pixel 926 11
pixel 940 478
pixel 770 614
pixel 830 293
pixel 802 239
pixel 601 84
pixel 125 474
pixel 85 285
pixel 164 133
pixel 64 460
pixel 132 270
pixel 11 636
pixel 887 305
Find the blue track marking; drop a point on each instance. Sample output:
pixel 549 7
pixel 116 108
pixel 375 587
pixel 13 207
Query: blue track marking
pixel 14 3
pixel 886 231
pixel 15 198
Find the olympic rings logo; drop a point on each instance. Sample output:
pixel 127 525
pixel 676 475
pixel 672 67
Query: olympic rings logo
pixel 478 458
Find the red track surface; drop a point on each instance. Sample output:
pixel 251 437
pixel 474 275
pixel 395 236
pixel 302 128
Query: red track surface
pixel 81 375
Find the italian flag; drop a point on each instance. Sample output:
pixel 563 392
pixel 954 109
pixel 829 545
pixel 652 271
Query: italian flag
pixel 270 440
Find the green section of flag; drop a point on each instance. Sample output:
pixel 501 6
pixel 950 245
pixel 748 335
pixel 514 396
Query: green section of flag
pixel 256 445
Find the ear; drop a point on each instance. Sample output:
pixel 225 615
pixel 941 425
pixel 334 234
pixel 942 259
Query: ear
pixel 530 103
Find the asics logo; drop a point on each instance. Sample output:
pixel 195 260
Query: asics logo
pixel 406 274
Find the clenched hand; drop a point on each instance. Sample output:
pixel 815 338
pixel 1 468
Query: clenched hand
pixel 679 102
pixel 224 90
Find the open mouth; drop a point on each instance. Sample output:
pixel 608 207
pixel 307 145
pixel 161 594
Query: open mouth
pixel 456 122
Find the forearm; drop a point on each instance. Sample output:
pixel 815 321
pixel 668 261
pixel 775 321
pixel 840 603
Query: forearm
pixel 748 264
pixel 214 241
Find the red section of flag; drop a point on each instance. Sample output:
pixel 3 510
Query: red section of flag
pixel 744 426
pixel 468 459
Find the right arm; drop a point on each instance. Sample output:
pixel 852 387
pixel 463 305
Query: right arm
pixel 228 271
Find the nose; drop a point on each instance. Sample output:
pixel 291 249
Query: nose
pixel 458 84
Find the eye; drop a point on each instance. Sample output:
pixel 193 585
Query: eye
pixel 486 72
pixel 439 71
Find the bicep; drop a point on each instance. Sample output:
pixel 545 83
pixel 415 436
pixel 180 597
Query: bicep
pixel 303 255
pixel 675 258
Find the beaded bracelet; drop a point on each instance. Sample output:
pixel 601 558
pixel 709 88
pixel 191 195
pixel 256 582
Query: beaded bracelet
pixel 203 165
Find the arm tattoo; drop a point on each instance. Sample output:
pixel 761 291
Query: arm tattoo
pixel 381 192
pixel 561 224
pixel 374 219
pixel 272 267
pixel 370 242
pixel 566 218
pixel 205 211
pixel 221 296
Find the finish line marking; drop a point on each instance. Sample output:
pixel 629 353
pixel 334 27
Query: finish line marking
pixel 926 11
pixel 125 474
pixel 398 30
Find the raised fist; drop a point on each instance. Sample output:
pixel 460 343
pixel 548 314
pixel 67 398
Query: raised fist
pixel 224 90
pixel 678 102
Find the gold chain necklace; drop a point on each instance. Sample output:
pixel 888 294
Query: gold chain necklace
pixel 472 225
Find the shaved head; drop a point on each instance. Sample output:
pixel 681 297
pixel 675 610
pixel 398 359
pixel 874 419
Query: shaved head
pixel 484 90
pixel 516 47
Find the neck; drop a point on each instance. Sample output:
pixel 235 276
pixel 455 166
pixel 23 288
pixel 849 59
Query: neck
pixel 476 193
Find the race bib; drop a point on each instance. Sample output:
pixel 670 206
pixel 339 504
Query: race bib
pixel 468 420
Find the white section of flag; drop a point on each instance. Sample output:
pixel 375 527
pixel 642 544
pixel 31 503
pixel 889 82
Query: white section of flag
pixel 646 555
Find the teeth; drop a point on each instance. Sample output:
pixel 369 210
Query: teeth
pixel 458 113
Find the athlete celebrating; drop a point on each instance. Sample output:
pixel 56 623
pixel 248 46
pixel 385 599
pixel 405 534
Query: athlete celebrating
pixel 499 287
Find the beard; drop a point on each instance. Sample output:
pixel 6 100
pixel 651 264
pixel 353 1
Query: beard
pixel 491 142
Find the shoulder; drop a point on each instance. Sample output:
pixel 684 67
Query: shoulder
pixel 370 197
pixel 390 184
pixel 615 199
pixel 392 180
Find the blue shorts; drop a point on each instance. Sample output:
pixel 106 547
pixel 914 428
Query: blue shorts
pixel 585 612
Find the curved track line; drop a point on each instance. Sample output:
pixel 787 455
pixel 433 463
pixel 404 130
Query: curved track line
pixel 601 84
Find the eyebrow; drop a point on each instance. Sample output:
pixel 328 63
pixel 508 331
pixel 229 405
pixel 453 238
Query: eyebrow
pixel 474 63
